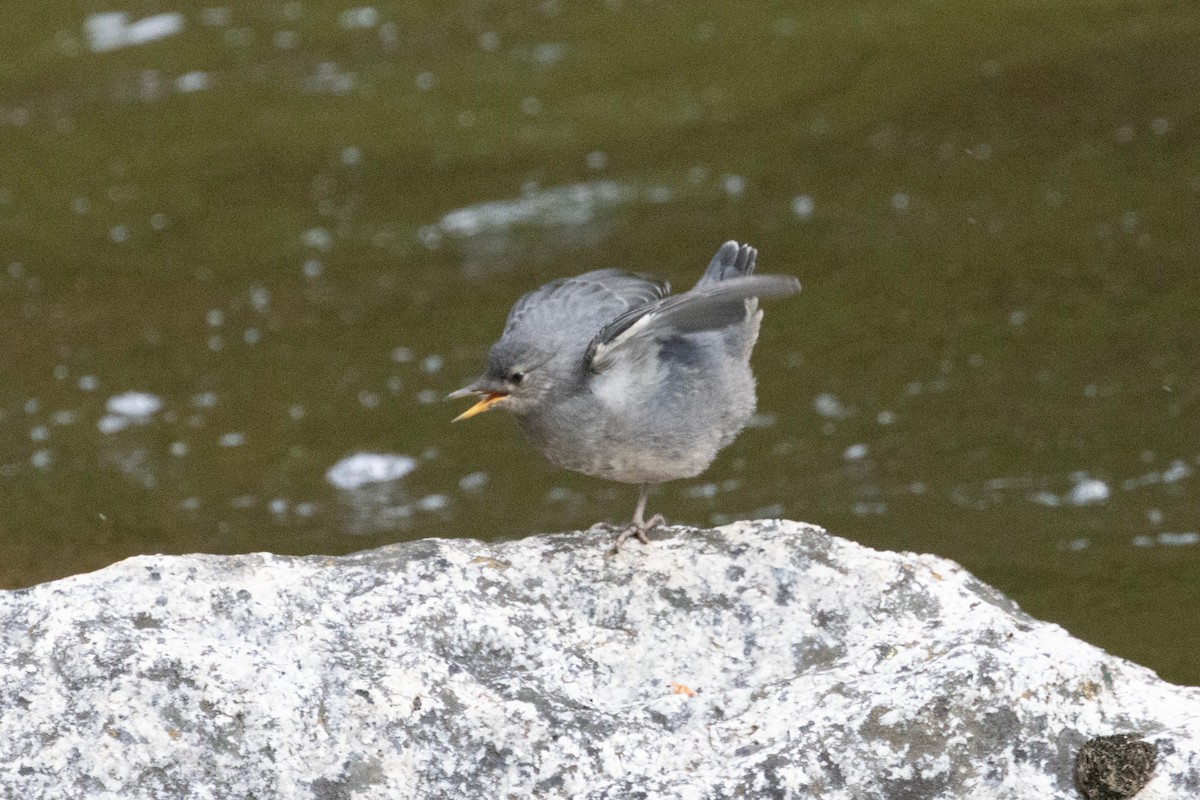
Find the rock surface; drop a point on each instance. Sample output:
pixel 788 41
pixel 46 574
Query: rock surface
pixel 758 660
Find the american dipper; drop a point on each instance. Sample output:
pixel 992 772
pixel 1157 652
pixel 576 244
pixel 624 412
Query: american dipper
pixel 609 374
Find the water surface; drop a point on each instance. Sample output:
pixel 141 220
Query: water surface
pixel 242 243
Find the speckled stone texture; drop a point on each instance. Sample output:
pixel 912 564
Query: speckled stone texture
pixel 759 660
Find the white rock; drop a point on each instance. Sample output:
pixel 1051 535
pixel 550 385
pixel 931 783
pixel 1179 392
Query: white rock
pixel 760 660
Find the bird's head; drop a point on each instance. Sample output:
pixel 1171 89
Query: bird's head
pixel 517 378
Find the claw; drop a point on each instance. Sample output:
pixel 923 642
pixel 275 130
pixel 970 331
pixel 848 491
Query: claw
pixel 638 526
pixel 639 529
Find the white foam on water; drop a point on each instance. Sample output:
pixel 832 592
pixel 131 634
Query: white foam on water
pixel 1168 539
pixel 473 482
pixel 549 53
pixel 140 405
pixel 433 502
pixel 564 205
pixel 111 423
pixel 363 17
pixel 111 30
pixel 856 452
pixel 1046 498
pixel 361 469
pixel 192 81
pixel 827 405
pixel 1177 471
pixel 1088 491
pixel 803 206
pixel 703 491
pixel 153 28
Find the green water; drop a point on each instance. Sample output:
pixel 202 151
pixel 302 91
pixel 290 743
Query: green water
pixel 294 226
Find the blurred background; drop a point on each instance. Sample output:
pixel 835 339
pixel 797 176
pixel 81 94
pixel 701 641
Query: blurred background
pixel 246 249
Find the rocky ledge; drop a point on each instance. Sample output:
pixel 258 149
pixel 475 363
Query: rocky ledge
pixel 759 660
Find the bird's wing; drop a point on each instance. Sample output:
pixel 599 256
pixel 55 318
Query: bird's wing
pixel 709 306
pixel 581 305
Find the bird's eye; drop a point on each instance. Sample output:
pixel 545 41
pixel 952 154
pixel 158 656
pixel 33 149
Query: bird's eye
pixel 517 377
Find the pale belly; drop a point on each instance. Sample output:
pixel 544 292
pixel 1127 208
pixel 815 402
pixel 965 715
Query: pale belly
pixel 622 433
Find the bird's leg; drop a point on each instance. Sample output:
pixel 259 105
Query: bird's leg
pixel 640 525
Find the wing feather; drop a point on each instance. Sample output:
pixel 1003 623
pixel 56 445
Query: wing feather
pixel 709 306
pixel 581 303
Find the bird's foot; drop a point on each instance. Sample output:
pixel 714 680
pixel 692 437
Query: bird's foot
pixel 639 529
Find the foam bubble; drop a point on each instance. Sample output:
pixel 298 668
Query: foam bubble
pixel 134 404
pixel 360 469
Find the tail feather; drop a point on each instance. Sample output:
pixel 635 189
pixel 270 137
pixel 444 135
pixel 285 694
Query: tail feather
pixel 731 261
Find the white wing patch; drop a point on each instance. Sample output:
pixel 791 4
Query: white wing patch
pixel 602 357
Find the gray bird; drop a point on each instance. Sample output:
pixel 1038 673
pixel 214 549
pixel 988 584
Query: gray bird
pixel 610 375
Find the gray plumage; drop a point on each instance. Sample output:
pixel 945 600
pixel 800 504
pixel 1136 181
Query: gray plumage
pixel 610 375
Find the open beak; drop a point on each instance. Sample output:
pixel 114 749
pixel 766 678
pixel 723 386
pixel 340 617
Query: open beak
pixel 489 399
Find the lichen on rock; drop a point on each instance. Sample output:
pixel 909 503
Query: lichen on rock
pixel 762 659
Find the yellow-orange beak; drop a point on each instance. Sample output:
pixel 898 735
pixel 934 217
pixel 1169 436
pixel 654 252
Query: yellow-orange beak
pixel 489 399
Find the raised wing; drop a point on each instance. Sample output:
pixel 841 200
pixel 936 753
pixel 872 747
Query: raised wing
pixel 709 306
pixel 578 307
